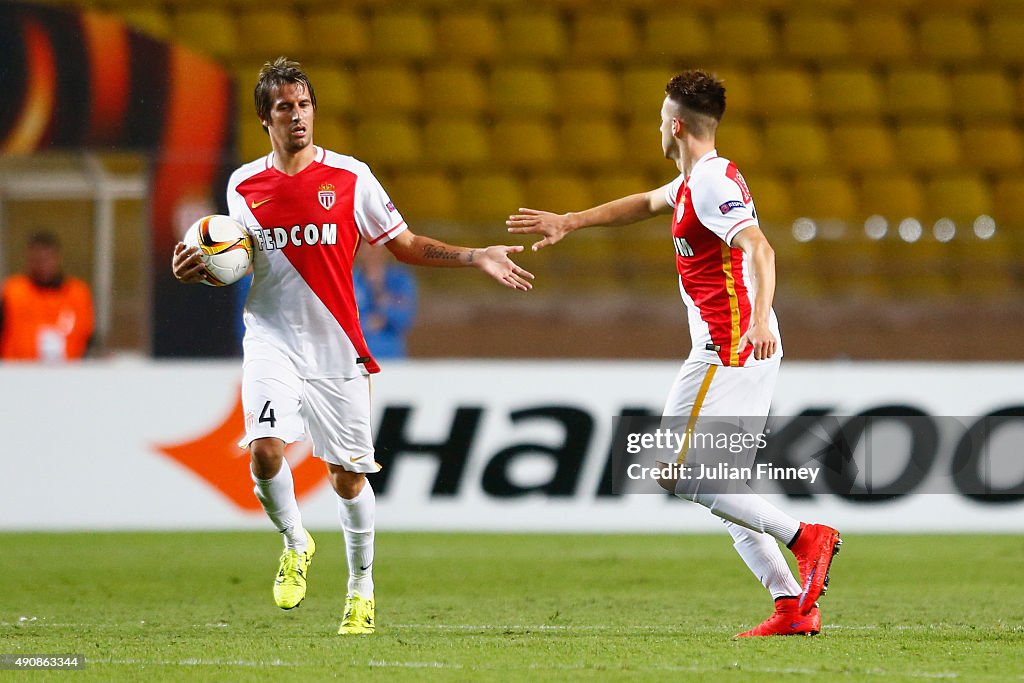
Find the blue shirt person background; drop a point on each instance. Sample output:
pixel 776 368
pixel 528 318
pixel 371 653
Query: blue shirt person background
pixel 386 295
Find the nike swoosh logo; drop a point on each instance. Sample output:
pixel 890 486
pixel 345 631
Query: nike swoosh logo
pixel 796 624
pixel 357 458
pixel 363 569
pixel 255 204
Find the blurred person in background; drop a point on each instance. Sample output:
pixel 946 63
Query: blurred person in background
pixel 386 294
pixel 45 315
pixel 726 273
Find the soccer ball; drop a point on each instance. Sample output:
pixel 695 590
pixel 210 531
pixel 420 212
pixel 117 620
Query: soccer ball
pixel 224 246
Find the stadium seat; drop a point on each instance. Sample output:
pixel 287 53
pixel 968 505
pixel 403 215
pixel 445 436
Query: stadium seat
pixel 533 34
pixel 676 33
pixel 949 37
pixel 642 152
pixel 927 146
pixel 489 197
pixel 337 33
pixel 603 35
pixel 960 196
pixel 643 90
pixel 453 88
pixel 267 33
pixel 1009 202
pixel 386 89
pixel 586 90
pixel 523 142
pixel 992 146
pixel 918 92
pixel 558 192
pixel 795 144
pixel 825 196
pixel 401 34
pixel 740 141
pixel 813 36
pixel 982 94
pixel 894 195
pixel 881 37
pixel 148 20
pixel 253 141
pixel 850 91
pixel 739 90
pixel 333 87
pixel 587 142
pixel 468 35
pixel 428 195
pixel 747 36
pixel 522 90
pixel 1004 37
pixel 331 132
pixel 771 200
pixel 863 145
pixel 783 92
pixel 604 187
pixel 390 141
pixel 457 141
pixel 209 30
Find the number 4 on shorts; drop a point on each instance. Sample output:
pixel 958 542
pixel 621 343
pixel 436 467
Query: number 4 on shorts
pixel 267 415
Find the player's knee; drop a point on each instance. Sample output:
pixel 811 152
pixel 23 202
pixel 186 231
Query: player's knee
pixel 346 484
pixel 266 456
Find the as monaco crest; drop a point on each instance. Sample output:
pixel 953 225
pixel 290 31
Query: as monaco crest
pixel 326 196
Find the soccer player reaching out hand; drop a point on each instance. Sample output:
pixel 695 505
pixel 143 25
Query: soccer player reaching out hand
pixel 727 281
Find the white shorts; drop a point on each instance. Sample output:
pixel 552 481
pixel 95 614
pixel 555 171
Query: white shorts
pixel 335 413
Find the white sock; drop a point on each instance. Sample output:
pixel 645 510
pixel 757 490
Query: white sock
pixel 277 495
pixel 746 509
pixel 357 518
pixel 762 555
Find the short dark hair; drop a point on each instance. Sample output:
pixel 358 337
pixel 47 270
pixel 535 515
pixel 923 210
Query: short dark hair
pixel 699 93
pixel 273 75
pixel 43 239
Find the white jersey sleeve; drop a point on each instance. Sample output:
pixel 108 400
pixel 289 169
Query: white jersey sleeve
pixel 721 199
pixel 672 190
pixel 376 216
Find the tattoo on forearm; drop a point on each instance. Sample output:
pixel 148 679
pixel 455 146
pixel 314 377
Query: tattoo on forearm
pixel 432 251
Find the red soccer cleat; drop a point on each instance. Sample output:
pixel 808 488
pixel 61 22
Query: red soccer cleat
pixel 814 547
pixel 787 621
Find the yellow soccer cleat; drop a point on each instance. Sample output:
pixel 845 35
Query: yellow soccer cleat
pixel 358 617
pixel 290 583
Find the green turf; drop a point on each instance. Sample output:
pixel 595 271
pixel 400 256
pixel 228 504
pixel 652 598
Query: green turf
pixel 197 606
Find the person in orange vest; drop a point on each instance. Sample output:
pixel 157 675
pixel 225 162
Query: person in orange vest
pixel 45 315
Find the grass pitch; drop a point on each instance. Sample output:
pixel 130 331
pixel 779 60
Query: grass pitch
pixel 197 606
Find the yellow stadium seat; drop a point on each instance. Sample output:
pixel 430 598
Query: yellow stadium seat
pixel 589 141
pixel 148 20
pixel 982 94
pixel 401 34
pixel 332 132
pixel 819 37
pixel 523 142
pixel 643 147
pixel 209 30
pixel 333 88
pixel 558 192
pixel 427 195
pixel 522 90
pixel 739 90
pixel 603 34
pixel 643 90
pixel 781 92
pixel 469 35
pixel 851 91
pixel 586 90
pixel 1004 37
pixel 676 33
pixel 458 141
pixel 825 196
pixel 740 141
pixel 881 36
pixel 1009 201
pixel 744 36
pixel 992 146
pixel 863 145
pixel 927 146
pixel 386 89
pixel 533 34
pixel 338 33
pixel 949 37
pixel 892 195
pixel 389 141
pixel 267 33
pixel 797 144
pixel 918 92
pixel 490 197
pixel 604 187
pixel 453 88
pixel 960 196
pixel 253 141
pixel 771 199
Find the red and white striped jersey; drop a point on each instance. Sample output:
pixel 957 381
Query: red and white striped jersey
pixel 711 207
pixel 305 230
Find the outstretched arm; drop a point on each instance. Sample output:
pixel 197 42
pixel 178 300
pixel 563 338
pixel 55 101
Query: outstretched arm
pixel 553 226
pixel 762 259
pixel 418 250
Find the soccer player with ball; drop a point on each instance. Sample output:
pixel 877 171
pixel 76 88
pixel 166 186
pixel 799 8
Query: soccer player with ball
pixel 306 366
pixel 727 281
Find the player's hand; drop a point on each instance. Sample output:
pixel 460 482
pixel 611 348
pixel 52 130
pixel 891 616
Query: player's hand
pixel 495 262
pixel 761 338
pixel 186 264
pixel 553 226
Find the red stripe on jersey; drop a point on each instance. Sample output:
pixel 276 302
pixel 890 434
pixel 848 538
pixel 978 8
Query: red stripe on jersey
pixel 386 234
